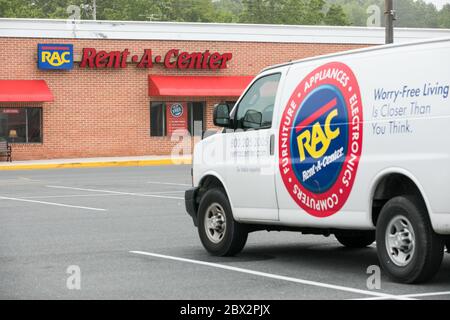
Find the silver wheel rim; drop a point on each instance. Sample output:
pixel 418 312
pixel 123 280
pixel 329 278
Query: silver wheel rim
pixel 215 222
pixel 400 241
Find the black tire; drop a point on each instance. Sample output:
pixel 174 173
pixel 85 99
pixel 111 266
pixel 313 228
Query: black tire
pixel 428 249
pixel 235 234
pixel 356 240
pixel 447 245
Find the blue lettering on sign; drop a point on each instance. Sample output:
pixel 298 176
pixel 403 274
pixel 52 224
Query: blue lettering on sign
pixel 55 56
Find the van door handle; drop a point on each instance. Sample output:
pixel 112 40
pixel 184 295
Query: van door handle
pixel 272 144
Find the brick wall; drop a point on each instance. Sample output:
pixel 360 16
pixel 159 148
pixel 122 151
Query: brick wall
pixel 105 112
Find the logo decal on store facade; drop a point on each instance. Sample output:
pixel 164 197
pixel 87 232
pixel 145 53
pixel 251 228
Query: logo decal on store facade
pixel 55 56
pixel 176 110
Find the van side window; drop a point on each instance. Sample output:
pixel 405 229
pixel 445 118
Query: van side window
pixel 255 110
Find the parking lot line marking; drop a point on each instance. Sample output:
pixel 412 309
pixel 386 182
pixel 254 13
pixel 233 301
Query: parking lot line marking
pixel 426 294
pixel 413 295
pixel 94 195
pixel 52 203
pixel 29 179
pixel 171 183
pixel 274 276
pixel 173 191
pixel 75 196
pixel 18 181
pixel 117 192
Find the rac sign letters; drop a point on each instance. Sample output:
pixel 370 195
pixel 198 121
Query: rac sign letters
pixel 55 56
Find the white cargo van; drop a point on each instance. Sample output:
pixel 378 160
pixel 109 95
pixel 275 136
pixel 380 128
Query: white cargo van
pixel 355 144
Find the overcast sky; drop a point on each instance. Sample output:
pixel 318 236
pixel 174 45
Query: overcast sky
pixel 438 3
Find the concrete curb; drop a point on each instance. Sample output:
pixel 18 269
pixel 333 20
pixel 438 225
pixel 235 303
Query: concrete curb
pixel 97 164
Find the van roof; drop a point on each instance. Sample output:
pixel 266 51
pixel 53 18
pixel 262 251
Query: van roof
pixel 348 52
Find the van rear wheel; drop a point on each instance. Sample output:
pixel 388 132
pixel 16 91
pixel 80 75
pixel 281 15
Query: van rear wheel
pixel 408 248
pixel 356 240
pixel 219 233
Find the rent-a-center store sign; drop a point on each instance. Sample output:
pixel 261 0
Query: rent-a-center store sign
pixel 60 56
pixel 173 59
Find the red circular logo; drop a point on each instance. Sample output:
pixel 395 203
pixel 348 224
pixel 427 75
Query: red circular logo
pixel 320 139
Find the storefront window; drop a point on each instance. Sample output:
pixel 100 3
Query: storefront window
pixel 157 119
pixel 21 125
pixel 166 117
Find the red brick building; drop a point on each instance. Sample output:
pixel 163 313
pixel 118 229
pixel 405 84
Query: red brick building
pixel 121 99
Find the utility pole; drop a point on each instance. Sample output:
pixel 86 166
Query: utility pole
pixel 389 15
pixel 94 10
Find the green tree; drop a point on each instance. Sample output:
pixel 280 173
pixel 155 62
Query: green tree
pixel 262 11
pixel 444 16
pixel 410 13
pixel 186 10
pixel 283 11
pixel 130 10
pixel 227 10
pixel 55 9
pixel 356 10
pixel 336 16
pixel 303 12
pixel 20 9
pixel 417 14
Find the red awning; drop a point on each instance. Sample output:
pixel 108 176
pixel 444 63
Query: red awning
pixel 24 91
pixel 205 86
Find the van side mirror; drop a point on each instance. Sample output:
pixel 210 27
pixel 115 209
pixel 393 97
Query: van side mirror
pixel 221 115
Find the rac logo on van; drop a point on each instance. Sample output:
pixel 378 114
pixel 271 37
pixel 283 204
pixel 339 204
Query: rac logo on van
pixel 55 56
pixel 315 141
pixel 320 139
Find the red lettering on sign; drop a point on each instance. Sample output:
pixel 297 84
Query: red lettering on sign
pixel 215 61
pixel 172 60
pixel 183 60
pixel 167 59
pixel 146 60
pixel 101 59
pixel 205 60
pixel 125 54
pixel 88 57
pixel 196 60
pixel 225 58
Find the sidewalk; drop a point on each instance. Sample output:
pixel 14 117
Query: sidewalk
pixel 94 162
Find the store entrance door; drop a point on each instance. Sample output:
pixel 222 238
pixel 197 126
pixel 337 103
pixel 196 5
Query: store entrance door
pixel 196 118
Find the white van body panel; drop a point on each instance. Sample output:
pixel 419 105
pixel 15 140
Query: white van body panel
pixel 243 159
pixel 405 106
pixel 409 153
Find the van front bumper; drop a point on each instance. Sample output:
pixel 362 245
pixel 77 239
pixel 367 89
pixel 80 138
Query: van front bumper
pixel 190 202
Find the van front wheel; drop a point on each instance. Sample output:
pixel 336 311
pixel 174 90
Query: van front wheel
pixel 219 233
pixel 408 248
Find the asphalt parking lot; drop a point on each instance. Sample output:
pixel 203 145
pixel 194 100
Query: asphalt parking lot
pixel 126 230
